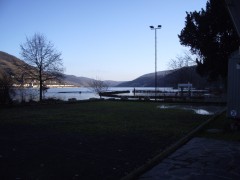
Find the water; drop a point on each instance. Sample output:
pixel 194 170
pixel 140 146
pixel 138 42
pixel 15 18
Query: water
pixel 83 93
pixel 79 93
pixel 202 110
pixel 87 93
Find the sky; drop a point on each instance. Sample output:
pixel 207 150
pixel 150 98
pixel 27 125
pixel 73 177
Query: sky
pixel 104 39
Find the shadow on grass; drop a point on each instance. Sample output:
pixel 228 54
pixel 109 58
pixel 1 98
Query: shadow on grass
pixel 91 140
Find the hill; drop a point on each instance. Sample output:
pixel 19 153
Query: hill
pixel 10 64
pixel 146 80
pixel 13 66
pixel 77 81
pixel 169 78
pixel 84 81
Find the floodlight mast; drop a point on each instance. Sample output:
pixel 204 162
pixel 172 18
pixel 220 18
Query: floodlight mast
pixel 155 29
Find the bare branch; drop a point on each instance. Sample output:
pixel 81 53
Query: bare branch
pixel 98 86
pixel 40 53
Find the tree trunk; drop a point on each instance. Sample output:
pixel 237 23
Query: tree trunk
pixel 40 90
pixel 41 85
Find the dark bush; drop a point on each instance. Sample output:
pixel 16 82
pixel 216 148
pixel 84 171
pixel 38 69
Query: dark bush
pixel 6 89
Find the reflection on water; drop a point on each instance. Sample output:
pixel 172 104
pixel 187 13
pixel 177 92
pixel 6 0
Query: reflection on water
pixel 203 110
pixel 25 95
pixel 79 93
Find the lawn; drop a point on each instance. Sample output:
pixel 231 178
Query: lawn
pixel 221 129
pixel 87 140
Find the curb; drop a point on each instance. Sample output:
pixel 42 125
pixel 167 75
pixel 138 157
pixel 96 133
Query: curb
pixel 158 158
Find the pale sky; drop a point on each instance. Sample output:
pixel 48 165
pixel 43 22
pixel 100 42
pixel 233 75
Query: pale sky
pixel 108 39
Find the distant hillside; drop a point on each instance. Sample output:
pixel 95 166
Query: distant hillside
pixel 84 81
pixel 77 81
pixel 12 65
pixel 169 78
pixel 185 75
pixel 146 80
pixel 159 73
pixel 113 83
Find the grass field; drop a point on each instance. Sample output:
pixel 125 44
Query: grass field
pixel 88 140
pixel 220 129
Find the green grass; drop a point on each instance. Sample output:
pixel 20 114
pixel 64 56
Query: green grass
pixel 223 124
pixel 105 117
pixel 87 138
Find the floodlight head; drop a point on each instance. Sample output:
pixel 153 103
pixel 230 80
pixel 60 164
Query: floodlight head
pixel 159 26
pixel 152 27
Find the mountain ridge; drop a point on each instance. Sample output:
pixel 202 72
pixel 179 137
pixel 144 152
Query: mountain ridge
pixel 169 78
pixel 10 64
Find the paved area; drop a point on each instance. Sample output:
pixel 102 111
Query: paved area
pixel 200 158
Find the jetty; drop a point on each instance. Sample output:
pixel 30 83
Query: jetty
pixel 79 92
pixel 165 95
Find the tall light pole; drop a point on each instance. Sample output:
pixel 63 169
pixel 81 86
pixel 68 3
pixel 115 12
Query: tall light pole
pixel 155 29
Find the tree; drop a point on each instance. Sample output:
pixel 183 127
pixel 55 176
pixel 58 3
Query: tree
pixel 211 35
pixel 181 61
pixel 40 53
pixel 98 86
pixel 6 83
pixel 184 65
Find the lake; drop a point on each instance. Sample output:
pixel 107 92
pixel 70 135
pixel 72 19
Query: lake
pixel 80 93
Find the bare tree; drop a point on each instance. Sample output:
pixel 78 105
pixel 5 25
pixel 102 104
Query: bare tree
pixel 41 54
pixel 184 60
pixel 98 86
pixel 183 64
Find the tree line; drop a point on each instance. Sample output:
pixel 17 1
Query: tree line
pixel 211 36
